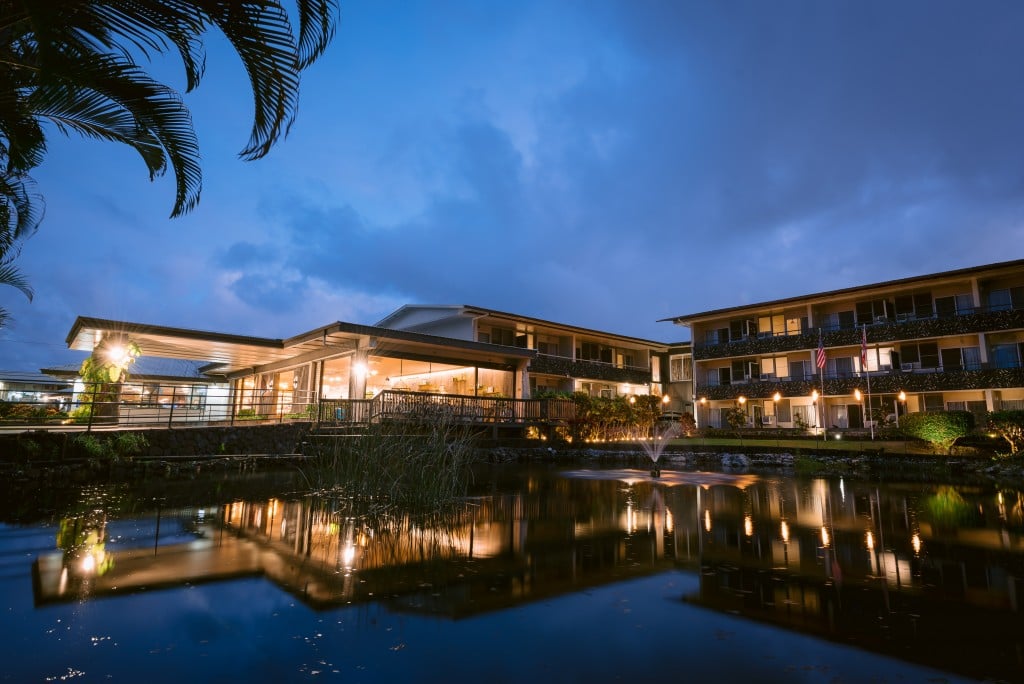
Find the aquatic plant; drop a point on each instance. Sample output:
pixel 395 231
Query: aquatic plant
pixel 418 465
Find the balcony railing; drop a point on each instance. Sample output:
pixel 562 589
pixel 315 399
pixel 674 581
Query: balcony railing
pixel 592 370
pixel 884 330
pixel 984 376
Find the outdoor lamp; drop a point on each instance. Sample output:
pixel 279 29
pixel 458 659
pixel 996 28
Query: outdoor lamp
pixel 856 394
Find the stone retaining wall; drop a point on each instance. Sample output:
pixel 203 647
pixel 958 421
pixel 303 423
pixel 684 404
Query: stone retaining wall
pixel 45 445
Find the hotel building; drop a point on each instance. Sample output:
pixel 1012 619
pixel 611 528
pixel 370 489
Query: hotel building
pixel 946 341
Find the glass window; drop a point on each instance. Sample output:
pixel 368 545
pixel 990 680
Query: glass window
pixel 1005 356
pixel 679 367
pixel 999 300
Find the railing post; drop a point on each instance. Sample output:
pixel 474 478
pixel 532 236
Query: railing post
pixel 92 407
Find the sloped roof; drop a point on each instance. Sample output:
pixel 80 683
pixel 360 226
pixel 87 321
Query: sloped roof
pixel 899 282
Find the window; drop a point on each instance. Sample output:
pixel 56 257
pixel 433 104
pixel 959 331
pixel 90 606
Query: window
pixel 713 377
pixel 839 367
pixel 919 355
pixel 503 336
pixel 955 305
pixel 724 376
pixel 799 370
pixel 957 358
pixel 933 402
pixel 913 306
pixel 782 411
pixel 656 370
pixel 872 311
pixel 1008 355
pixel 1006 299
pixel 717 336
pixel 770 326
pixel 838 320
pixel 879 358
pixel 745 369
pixel 679 368
pixel 795 325
pixel 777 367
pixel 741 328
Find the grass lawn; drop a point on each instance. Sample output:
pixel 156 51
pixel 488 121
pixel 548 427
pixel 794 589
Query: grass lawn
pixel 854 445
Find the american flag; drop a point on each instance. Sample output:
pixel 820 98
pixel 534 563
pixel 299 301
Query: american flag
pixel 821 352
pixel 864 348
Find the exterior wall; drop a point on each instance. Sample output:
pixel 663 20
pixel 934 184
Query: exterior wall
pixel 934 339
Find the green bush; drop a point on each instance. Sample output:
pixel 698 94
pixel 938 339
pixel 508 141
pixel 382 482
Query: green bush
pixel 1009 425
pixel 123 446
pixel 939 428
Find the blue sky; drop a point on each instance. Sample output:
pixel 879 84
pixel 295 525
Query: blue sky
pixel 598 163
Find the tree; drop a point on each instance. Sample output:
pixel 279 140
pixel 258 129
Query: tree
pixel 941 428
pixel 73 63
pixel 1009 425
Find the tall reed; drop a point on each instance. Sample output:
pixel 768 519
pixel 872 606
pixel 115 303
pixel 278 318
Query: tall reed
pixel 416 464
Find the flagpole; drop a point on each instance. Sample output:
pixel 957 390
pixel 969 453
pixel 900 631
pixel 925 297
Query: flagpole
pixel 820 361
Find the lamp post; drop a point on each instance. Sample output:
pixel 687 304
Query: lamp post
pixel 902 400
pixel 860 400
pixel 775 408
pixel 814 401
pixel 743 407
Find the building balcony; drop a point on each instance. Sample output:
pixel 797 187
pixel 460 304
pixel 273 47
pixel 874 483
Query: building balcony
pixel 882 382
pixel 592 370
pixel 885 330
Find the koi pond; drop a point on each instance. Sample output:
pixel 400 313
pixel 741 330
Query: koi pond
pixel 545 574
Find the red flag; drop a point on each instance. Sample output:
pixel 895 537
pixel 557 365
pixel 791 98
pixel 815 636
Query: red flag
pixel 864 349
pixel 821 352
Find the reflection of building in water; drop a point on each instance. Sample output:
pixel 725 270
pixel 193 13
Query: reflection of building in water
pixel 921 573
pixel 932 576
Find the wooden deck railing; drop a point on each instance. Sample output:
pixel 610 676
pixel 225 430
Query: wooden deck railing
pixel 397 405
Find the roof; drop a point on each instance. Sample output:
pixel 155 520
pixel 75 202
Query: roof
pixel 150 367
pixel 30 377
pixel 480 310
pixel 900 282
pixel 227 354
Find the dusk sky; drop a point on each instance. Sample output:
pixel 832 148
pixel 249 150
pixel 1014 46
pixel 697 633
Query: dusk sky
pixel 600 164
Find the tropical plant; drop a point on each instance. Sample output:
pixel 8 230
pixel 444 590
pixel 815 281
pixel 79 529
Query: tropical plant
pixel 101 373
pixel 941 428
pixel 76 65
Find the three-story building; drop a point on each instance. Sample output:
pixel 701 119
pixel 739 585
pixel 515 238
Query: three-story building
pixel 860 356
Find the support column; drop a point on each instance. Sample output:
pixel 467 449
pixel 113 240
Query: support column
pixel 357 375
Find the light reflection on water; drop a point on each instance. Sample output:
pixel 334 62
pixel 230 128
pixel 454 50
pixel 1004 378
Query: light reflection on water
pixel 577 575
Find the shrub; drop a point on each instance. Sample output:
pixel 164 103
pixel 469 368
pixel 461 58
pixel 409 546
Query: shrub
pixel 1009 425
pixel 687 424
pixel 940 428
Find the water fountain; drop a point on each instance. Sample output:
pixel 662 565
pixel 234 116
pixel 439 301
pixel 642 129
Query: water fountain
pixel 660 436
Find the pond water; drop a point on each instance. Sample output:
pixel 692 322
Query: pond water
pixel 561 575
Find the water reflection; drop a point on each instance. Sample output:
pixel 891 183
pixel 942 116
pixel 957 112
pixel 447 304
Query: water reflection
pixel 931 574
